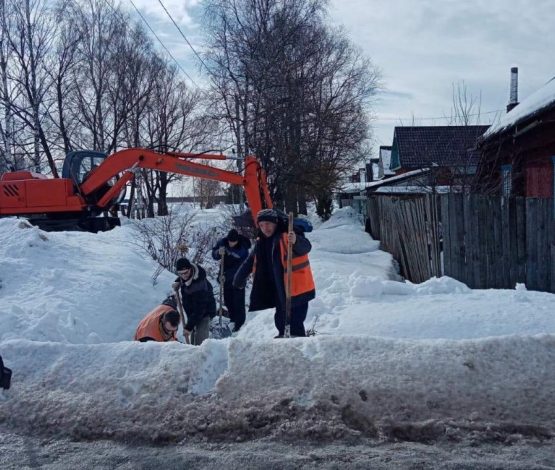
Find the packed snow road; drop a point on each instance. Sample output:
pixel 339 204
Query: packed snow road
pixel 24 451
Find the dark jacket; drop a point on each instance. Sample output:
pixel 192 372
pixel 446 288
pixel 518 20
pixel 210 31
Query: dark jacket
pixel 233 257
pixel 198 298
pixel 268 289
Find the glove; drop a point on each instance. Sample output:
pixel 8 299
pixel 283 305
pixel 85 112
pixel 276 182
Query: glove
pixel 221 250
pixel 176 285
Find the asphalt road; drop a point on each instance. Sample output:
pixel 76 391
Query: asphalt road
pixel 20 451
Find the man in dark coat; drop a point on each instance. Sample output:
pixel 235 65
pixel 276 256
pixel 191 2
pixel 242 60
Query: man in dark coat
pixel 234 248
pixel 268 261
pixel 198 299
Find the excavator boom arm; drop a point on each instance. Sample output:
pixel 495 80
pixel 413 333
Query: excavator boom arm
pixel 253 180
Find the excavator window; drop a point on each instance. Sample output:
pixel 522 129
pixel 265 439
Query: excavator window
pixel 78 164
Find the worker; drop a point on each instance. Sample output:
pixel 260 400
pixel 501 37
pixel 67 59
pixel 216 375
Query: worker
pixel 160 324
pixel 198 299
pixel 233 249
pixel 268 262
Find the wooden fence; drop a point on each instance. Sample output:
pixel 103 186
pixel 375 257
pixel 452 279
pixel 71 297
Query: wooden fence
pixel 485 242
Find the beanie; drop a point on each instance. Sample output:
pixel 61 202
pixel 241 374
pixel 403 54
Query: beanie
pixel 172 317
pixel 182 264
pixel 233 235
pixel 170 301
pixel 267 215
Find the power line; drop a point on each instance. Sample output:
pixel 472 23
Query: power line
pixel 416 118
pixel 183 35
pixel 163 45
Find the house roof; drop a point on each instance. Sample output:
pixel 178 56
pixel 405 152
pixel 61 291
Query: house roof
pixel 425 146
pixel 533 104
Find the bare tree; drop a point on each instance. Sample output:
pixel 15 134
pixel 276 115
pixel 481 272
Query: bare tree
pixel 7 122
pixel 30 43
pixel 293 91
pixel 466 106
pixel 175 120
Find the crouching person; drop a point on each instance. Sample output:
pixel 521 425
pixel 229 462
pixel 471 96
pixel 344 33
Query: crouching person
pixel 160 324
pixel 198 299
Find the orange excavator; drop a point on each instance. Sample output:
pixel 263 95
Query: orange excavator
pixel 78 199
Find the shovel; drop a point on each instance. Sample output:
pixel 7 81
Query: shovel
pixel 181 314
pixel 219 329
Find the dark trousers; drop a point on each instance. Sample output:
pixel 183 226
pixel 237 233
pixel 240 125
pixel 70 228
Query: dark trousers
pixel 298 316
pixel 200 332
pixel 234 300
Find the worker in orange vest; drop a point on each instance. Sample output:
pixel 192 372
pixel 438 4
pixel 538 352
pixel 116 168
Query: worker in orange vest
pixel 268 262
pixel 160 324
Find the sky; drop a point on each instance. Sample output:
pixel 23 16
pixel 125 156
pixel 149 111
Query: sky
pixel 422 50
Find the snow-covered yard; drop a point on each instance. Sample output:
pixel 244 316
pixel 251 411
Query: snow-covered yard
pixel 390 361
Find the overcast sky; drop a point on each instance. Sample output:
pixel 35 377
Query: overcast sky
pixel 421 47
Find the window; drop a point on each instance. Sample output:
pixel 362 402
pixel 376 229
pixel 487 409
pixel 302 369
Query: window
pixel 84 168
pixel 506 180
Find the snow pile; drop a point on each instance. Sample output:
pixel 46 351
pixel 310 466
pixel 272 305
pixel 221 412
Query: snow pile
pixel 317 387
pixel 389 359
pixel 73 287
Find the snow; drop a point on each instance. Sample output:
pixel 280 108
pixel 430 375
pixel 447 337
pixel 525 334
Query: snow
pixel 356 187
pixel 416 189
pixel 436 360
pixel 534 103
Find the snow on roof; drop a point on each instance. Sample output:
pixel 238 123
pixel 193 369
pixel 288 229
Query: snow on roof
pixel 414 189
pixel 533 104
pixel 357 187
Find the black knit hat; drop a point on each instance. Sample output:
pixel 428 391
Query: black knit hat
pixel 267 215
pixel 173 317
pixel 233 235
pixel 182 264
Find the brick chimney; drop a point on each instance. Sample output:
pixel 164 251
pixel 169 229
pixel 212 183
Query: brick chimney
pixel 513 98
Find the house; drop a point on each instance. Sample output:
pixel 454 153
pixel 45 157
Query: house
pixel 384 162
pixel 361 175
pixel 448 150
pixel 373 169
pixel 518 152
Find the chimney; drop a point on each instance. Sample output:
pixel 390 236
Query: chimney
pixel 513 99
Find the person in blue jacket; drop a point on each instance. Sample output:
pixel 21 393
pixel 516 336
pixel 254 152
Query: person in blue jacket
pixel 234 248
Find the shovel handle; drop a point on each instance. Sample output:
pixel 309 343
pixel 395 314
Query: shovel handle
pixel 181 313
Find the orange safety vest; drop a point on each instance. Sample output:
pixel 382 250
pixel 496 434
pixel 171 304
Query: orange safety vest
pixel 302 281
pixel 151 327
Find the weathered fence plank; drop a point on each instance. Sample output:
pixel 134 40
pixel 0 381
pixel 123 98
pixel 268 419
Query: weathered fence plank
pixel 487 242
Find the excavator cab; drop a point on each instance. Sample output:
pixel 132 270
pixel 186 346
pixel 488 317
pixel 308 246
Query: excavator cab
pixel 78 164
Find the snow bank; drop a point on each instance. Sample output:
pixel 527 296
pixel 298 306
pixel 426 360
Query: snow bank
pixel 317 387
pixel 73 287
pixel 387 355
